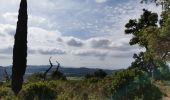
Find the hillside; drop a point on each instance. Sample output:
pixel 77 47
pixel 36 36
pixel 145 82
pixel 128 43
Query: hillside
pixel 68 71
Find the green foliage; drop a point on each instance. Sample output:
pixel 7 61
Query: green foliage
pixel 135 27
pixel 38 91
pixel 154 37
pixel 133 83
pixel 57 75
pixel 80 89
pixel 6 93
pixel 100 73
pixel 35 77
pixel 97 74
pixel 163 71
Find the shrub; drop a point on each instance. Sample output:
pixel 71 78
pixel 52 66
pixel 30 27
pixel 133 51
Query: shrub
pixel 133 83
pixel 87 76
pixel 57 75
pixel 97 74
pixel 36 77
pixel 100 73
pixel 6 93
pixel 38 91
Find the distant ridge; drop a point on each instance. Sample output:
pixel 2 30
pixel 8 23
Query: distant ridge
pixel 68 71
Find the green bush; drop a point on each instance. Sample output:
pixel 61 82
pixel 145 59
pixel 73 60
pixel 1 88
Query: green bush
pixel 133 83
pixel 97 74
pixel 36 77
pixel 37 91
pixel 6 94
pixel 100 73
pixel 57 75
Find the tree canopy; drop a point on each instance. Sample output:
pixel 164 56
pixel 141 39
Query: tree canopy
pixel 153 34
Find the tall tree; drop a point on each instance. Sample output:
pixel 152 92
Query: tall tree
pixel 142 34
pixel 20 49
pixel 136 28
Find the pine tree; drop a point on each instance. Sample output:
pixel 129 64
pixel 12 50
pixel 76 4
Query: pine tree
pixel 20 49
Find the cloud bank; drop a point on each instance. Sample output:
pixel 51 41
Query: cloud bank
pixel 77 32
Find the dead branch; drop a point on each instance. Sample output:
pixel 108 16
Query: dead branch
pixel 51 65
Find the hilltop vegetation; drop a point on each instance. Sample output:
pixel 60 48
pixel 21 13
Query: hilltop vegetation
pixel 131 84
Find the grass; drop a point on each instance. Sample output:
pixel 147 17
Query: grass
pixel 75 78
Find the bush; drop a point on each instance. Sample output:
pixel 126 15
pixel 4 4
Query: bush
pixel 38 91
pixel 87 76
pixel 133 83
pixel 6 93
pixel 100 73
pixel 57 75
pixel 97 74
pixel 36 77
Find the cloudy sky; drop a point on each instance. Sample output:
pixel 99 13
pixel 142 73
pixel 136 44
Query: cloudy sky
pixel 77 33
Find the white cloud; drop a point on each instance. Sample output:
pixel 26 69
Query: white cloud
pixel 100 1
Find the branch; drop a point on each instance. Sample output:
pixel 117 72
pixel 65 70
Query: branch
pixel 51 65
pixel 58 65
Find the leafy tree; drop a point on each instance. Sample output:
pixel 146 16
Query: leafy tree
pixel 20 49
pixel 135 27
pixel 138 28
pixel 153 35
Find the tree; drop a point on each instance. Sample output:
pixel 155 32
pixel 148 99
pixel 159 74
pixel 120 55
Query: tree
pixel 139 30
pixel 136 27
pixel 154 36
pixel 20 49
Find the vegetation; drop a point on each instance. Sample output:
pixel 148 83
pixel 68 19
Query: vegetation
pixel 97 74
pixel 20 49
pixel 134 84
pixel 148 77
pixel 38 91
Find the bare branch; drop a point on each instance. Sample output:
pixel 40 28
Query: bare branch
pixel 51 65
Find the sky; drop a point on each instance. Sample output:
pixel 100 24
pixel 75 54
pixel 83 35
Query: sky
pixel 76 33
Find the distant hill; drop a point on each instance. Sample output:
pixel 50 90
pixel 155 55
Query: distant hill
pixel 68 71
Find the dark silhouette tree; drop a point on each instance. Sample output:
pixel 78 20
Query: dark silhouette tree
pixel 20 49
